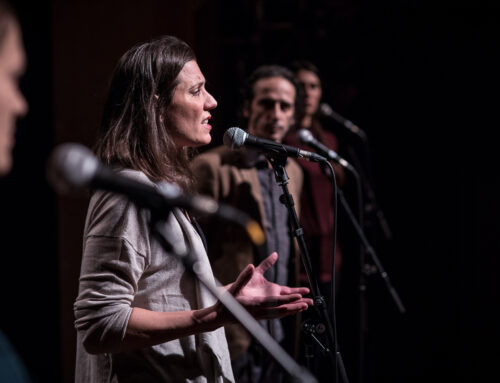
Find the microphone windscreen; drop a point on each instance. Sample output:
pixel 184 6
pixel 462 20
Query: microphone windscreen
pixel 234 137
pixel 326 110
pixel 304 136
pixel 71 166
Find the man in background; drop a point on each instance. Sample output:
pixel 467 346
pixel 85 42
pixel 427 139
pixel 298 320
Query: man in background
pixel 244 179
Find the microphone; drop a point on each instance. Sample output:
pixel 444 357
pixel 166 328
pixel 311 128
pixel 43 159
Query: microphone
pixel 327 111
pixel 305 137
pixel 73 166
pixel 235 138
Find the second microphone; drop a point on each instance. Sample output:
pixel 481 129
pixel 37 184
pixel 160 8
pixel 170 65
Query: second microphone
pixel 235 138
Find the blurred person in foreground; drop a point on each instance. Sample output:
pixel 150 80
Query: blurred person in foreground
pixel 12 65
pixel 12 106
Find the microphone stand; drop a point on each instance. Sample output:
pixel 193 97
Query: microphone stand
pixel 357 132
pixel 190 261
pixel 373 204
pixel 369 250
pixel 365 269
pixel 278 161
pixel 363 185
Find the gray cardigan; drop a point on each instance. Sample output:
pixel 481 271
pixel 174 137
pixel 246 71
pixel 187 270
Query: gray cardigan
pixel 124 267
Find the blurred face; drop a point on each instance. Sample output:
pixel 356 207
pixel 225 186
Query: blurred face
pixel 312 90
pixel 271 112
pixel 12 102
pixel 189 113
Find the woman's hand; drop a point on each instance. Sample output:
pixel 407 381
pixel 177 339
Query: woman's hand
pixel 264 299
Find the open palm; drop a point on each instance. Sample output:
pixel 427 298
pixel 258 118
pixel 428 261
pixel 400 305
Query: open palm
pixel 264 299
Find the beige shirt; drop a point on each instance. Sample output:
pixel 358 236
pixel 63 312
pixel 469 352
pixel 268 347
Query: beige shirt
pixel 124 267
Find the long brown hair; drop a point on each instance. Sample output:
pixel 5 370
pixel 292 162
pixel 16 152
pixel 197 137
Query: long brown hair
pixel 133 132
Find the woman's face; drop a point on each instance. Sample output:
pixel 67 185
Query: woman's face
pixel 12 102
pixel 188 115
pixel 312 90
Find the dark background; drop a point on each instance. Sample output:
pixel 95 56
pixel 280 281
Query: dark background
pixel 419 78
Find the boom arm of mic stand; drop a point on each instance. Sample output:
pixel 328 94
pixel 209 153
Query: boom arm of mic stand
pixel 371 252
pixel 190 262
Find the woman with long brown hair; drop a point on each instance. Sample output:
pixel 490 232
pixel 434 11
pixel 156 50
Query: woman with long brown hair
pixel 140 316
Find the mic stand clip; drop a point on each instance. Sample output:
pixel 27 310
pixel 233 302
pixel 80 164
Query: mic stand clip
pixel 312 330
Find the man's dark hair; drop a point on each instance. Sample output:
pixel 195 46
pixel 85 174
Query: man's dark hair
pixel 297 65
pixel 268 71
pixel 133 131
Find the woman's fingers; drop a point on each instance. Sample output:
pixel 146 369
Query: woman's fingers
pixel 294 290
pixel 267 263
pixel 267 300
pixel 274 301
pixel 270 301
pixel 280 311
pixel 289 304
pixel 242 280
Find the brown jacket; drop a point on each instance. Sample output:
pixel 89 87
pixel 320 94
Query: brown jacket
pixel 225 175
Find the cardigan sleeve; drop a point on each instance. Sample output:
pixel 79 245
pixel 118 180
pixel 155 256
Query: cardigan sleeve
pixel 115 254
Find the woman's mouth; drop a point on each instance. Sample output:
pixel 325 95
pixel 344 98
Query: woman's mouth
pixel 205 122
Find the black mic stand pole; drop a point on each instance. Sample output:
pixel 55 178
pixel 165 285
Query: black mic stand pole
pixel 363 266
pixel 298 373
pixel 365 270
pixel 368 249
pixel 278 161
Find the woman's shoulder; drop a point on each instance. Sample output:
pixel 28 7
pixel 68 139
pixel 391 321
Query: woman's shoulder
pixel 136 175
pixel 114 215
pixel 112 205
